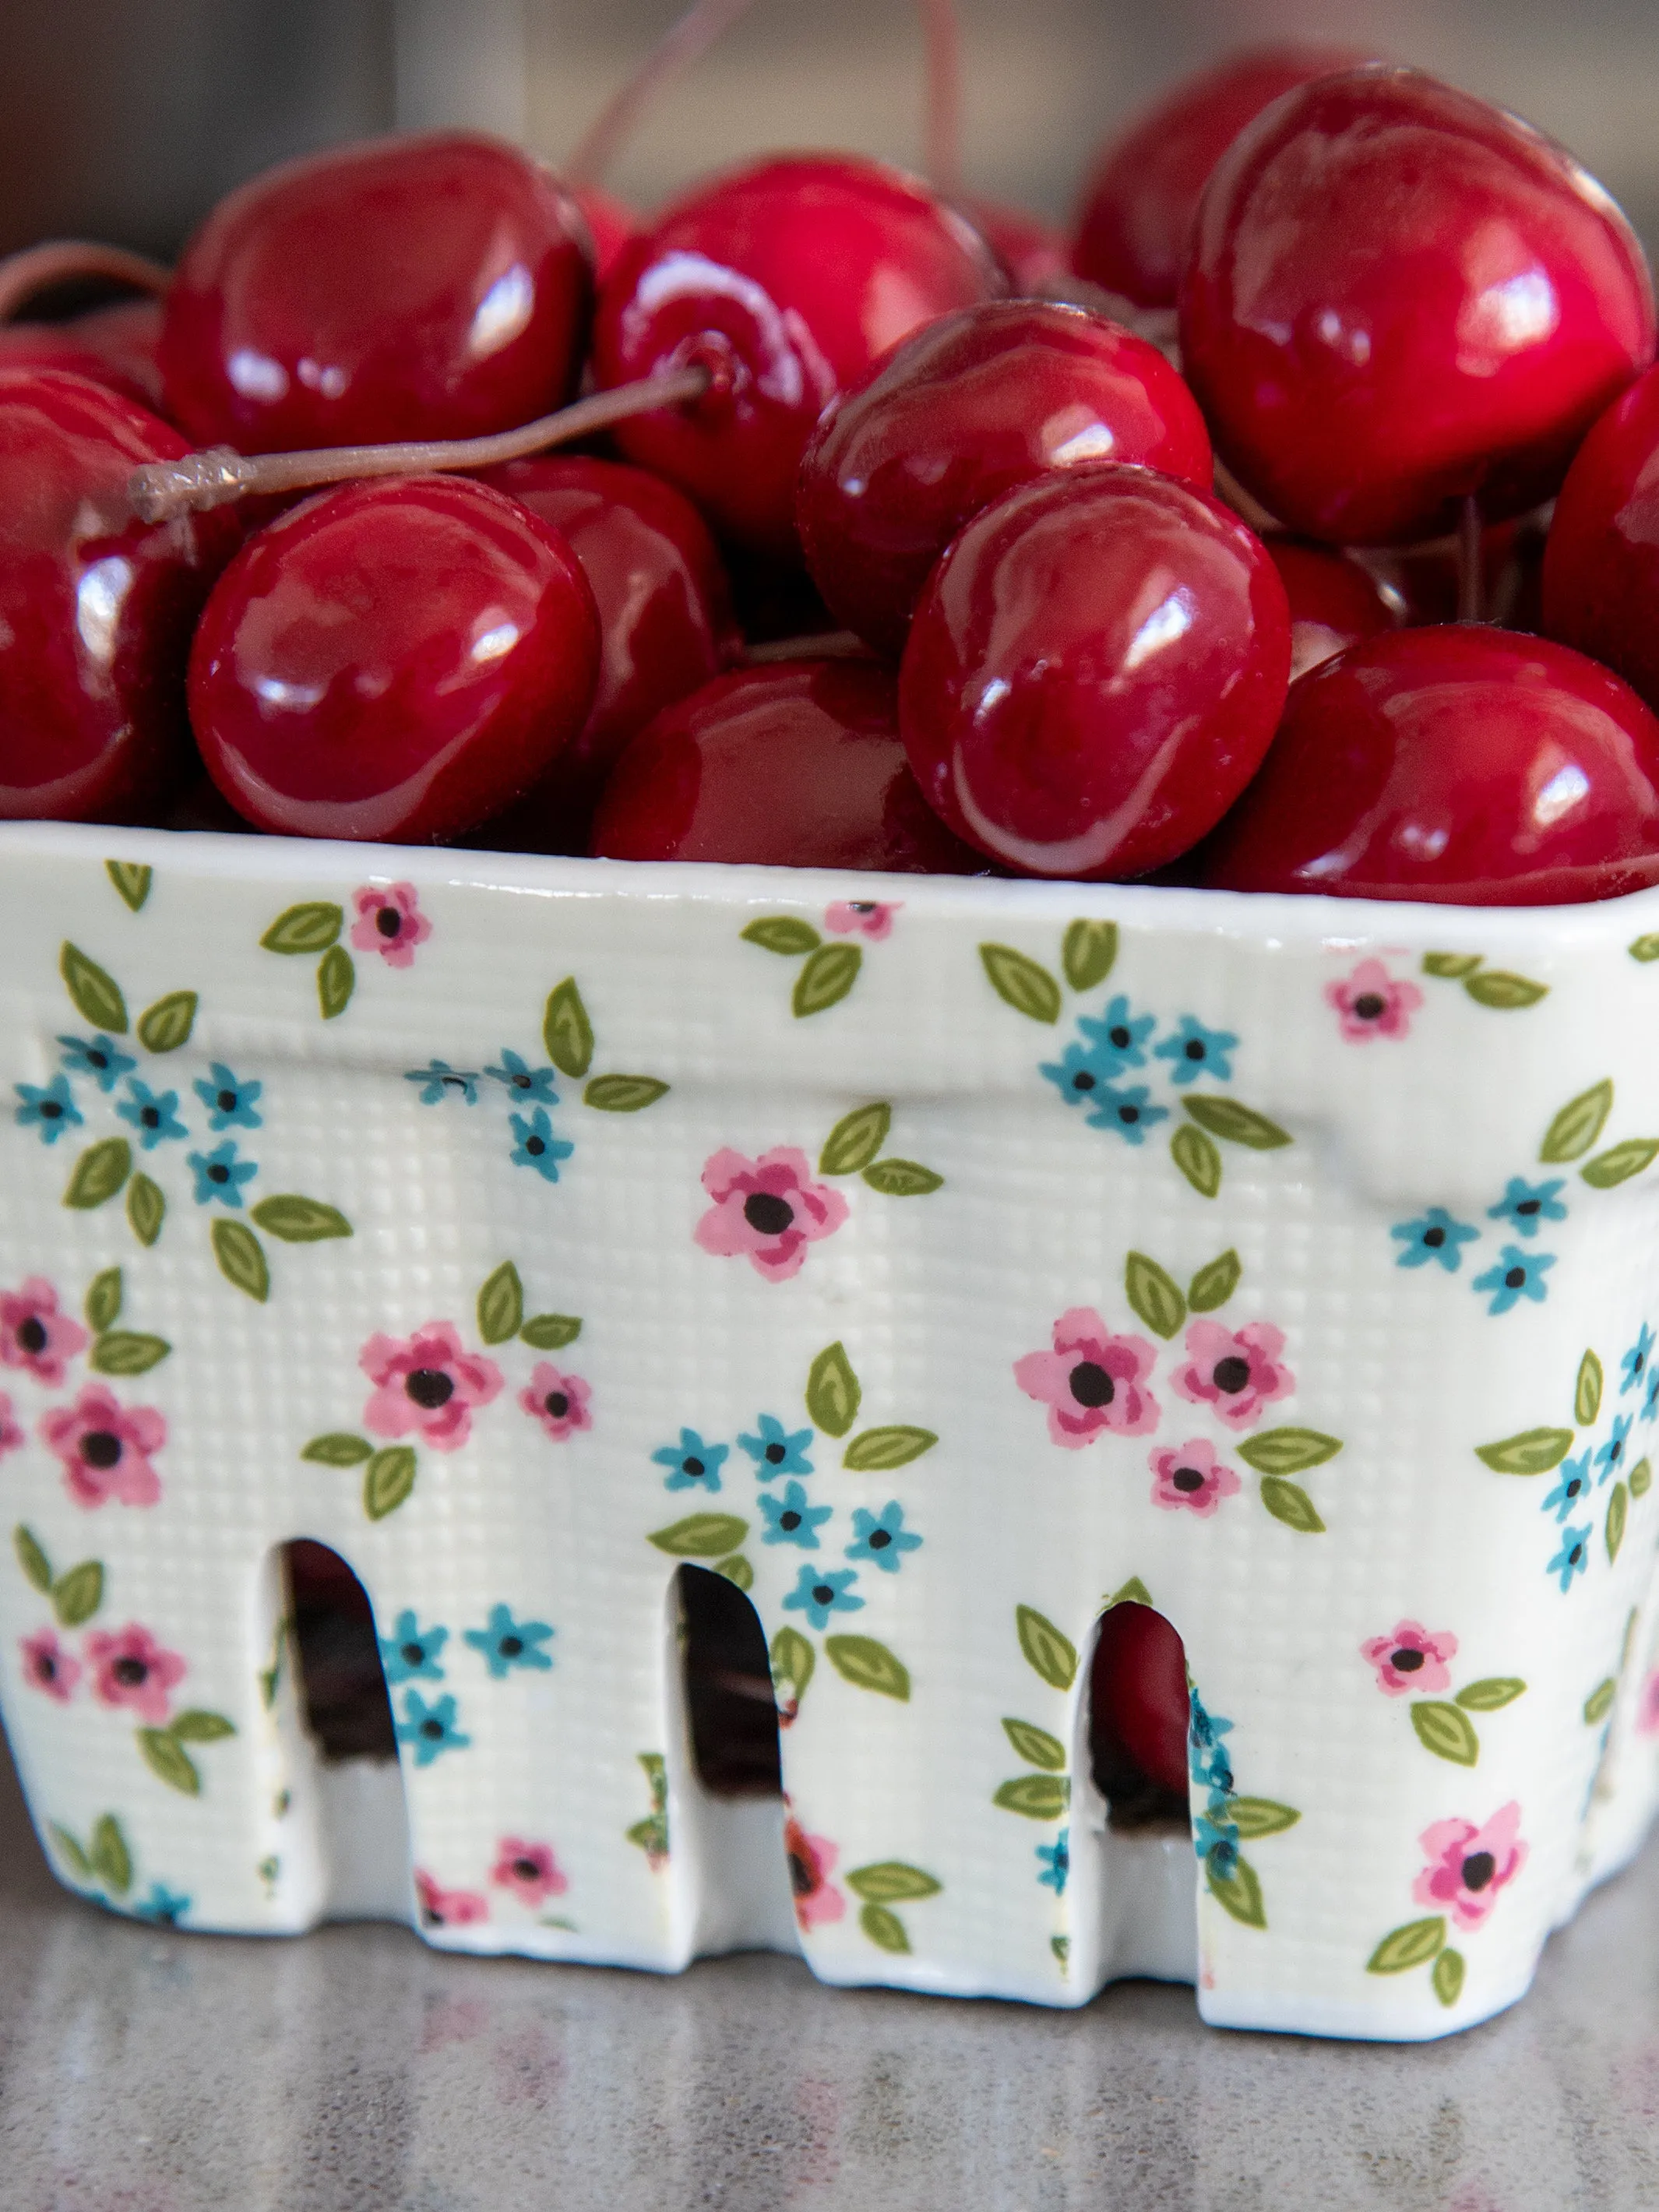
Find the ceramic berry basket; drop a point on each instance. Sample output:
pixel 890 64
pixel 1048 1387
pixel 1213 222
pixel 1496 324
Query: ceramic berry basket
pixel 942 1261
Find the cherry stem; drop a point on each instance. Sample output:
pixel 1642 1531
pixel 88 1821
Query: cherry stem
pixel 942 118
pixel 163 489
pixel 1469 579
pixel 72 261
pixel 684 43
pixel 828 645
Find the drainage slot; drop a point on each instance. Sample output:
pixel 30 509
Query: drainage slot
pixel 731 1712
pixel 1137 1716
pixel 341 1684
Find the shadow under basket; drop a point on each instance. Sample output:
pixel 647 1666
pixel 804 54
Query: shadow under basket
pixel 598 1410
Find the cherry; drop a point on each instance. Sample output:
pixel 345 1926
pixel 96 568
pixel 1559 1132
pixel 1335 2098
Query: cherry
pixel 1032 252
pixel 127 336
pixel 795 765
pixel 392 660
pixel 1399 297
pixel 1094 673
pixel 964 410
pixel 610 225
pixel 1601 559
pixel 68 346
pixel 1462 765
pixel 786 279
pixel 431 286
pixel 1333 602
pixel 1139 205
pixel 1139 1704
pixel 96 610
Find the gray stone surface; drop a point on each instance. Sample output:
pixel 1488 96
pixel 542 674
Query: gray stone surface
pixel 356 2071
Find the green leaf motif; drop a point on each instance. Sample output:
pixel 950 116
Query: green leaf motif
pixel 1620 1162
pixel 147 1209
pixel 652 1837
pixel 36 1567
pixel 127 1351
pixel 624 1094
pixel 1236 1125
pixel 197 1726
pixel 1645 948
pixel 167 1024
pixel 1021 984
pixel 833 1394
pixel 1618 1514
pixel 1641 1478
pixel 903 1179
pixel 387 1480
pixel 884 1927
pixel 1061 1948
pixel 336 979
pixel 566 1030
pixel 1089 953
pixel 337 1448
pixel 1445 1730
pixel 1402 1949
pixel 1491 1694
pixel 1599 1704
pixel 78 1596
pixel 868 1665
pixel 781 932
pixel 875 1451
pixel 96 995
pixel 1578 1124
pixel 500 1305
pixel 1133 1592
pixel 1197 1158
pixel 79 1864
pixel 1534 1451
pixel 299 1220
pixel 1050 1654
pixel 701 1536
pixel 1496 987
pixel 1037 1796
pixel 736 1570
pixel 1153 1294
pixel 1261 1816
pixel 1587 1393
pixel 1455 965
pixel 893 1882
pixel 1036 1746
pixel 855 1139
pixel 110 1859
pixel 1447 1978
pixel 1289 1503
pixel 793 1662
pixel 1288 1452
pixel 1213 1285
pixel 549 1332
pixel 103 1300
pixel 242 1259
pixel 131 878
pixel 99 1174
pixel 828 975
pixel 169 1761
pixel 311 927
pixel 656 1775
pixel 1238 1893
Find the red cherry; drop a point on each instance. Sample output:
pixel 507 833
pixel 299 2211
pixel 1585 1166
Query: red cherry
pixel 1333 602
pixel 393 661
pixel 797 765
pixel 1602 558
pixel 127 336
pixel 1094 673
pixel 1463 764
pixel 961 412
pixel 1137 208
pixel 64 346
pixel 787 280
pixel 96 610
pixel 411 288
pixel 1139 1703
pixel 1032 252
pixel 611 223
pixel 1399 297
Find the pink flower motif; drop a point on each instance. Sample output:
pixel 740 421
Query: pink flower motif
pixel 558 1401
pixel 48 1666
pixel 1647 1708
pixel 447 1908
pixel 427 1383
pixel 1371 1003
pixel 1409 1659
pixel 1235 1371
pixel 11 1437
pixel 767 1211
pixel 811 1861
pixel 104 1447
pixel 1191 1477
pixel 129 1668
pixel 870 918
pixel 390 922
pixel 529 1870
pixel 1468 1866
pixel 1091 1381
pixel 34 1335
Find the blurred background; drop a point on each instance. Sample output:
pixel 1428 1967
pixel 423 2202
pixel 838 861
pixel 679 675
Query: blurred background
pixel 126 118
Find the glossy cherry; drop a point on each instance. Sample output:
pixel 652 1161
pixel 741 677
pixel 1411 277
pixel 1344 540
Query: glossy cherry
pixel 795 765
pixel 432 287
pixel 1094 673
pixel 1139 1705
pixel 96 610
pixel 786 279
pixel 1601 559
pixel 610 224
pixel 961 412
pixel 1138 204
pixel 392 660
pixel 1399 297
pixel 1464 764
pixel 1034 254
pixel 72 347
pixel 1334 603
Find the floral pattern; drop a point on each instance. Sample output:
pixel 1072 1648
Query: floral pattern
pixel 558 1401
pixel 1468 1866
pixel 1236 1372
pixel 812 1862
pixel 129 1668
pixel 1410 1660
pixel 390 922
pixel 106 1449
pixel 1092 1381
pixel 427 1385
pixel 529 1871
pixel 35 1335
pixel 1372 1003
pixel 1189 1479
pixel 767 1211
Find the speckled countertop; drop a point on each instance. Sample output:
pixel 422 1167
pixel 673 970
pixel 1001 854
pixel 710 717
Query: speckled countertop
pixel 356 2071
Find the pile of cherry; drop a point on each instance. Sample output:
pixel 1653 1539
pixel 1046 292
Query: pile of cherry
pixel 895 538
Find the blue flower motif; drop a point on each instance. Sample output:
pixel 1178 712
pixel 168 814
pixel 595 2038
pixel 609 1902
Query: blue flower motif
pixel 1433 1236
pixel 1573 1556
pixel 537 1147
pixel 1081 1071
pixel 1635 1361
pixel 527 1082
pixel 793 1520
pixel 1119 1033
pixel 100 1057
pixel 429 1729
pixel 1650 1404
pixel 440 1081
pixel 1524 1205
pixel 692 1462
pixel 777 1450
pixel 883 1538
pixel 52 1109
pixel 506 1644
pixel 411 1652
pixel 1517 1275
pixel 1610 1456
pixel 822 1591
pixel 153 1114
pixel 1196 1051
pixel 1207 1761
pixel 1056 1863
pixel 1572 1487
pixel 163 1907
pixel 230 1102
pixel 1127 1112
pixel 1215 1839
pixel 221 1175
